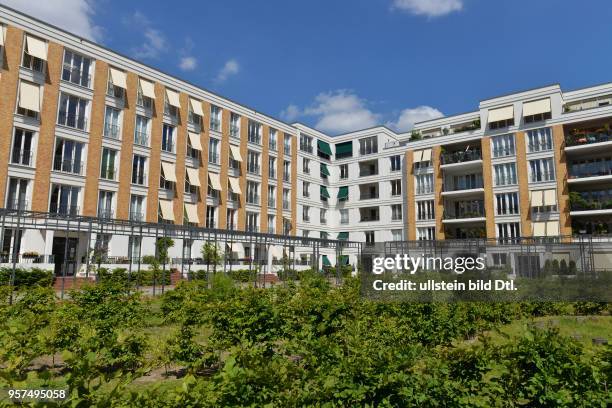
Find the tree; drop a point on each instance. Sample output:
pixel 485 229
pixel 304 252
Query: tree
pixel 162 246
pixel 211 255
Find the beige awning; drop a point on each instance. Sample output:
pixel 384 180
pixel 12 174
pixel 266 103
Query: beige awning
pixel 193 177
pixel 536 107
pixel 550 197
pixel 536 198
pixel 505 113
pixel 2 34
pixel 173 98
pixel 118 78
pixel 426 155
pixel 235 150
pixel 539 229
pixel 169 171
pixel 196 107
pixel 235 185
pixel 417 156
pixel 215 182
pixel 167 209
pixel 29 96
pixel 552 228
pixel 194 139
pixel 36 48
pixel 147 88
pixel 192 213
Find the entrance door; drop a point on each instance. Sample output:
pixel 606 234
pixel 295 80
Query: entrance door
pixel 59 251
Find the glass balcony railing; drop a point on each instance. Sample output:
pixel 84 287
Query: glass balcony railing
pixel 463 186
pixel 589 170
pixel 588 137
pixel 141 138
pixel 460 156
pixel 452 215
pixel 112 131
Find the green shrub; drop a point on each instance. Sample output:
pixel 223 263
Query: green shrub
pixel 243 275
pixel 142 278
pixel 26 277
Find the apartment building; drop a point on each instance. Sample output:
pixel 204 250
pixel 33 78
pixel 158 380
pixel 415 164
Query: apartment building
pixel 87 131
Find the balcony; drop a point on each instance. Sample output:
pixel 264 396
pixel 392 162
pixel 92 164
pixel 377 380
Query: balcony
pixel 460 157
pixel 22 157
pixel 367 169
pixel 112 131
pixel 590 170
pixel 68 166
pixel 587 137
pixel 463 188
pixel 452 217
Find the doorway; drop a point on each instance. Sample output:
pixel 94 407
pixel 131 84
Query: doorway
pixel 60 244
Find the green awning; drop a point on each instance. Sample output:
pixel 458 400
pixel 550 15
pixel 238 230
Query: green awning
pixel 324 170
pixel 344 149
pixel 324 192
pixel 344 259
pixel 326 261
pixel 343 193
pixel 343 236
pixel 324 147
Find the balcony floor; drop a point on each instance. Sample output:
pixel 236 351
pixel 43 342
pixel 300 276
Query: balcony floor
pixel 592 179
pixel 464 193
pixel 463 220
pixel 586 213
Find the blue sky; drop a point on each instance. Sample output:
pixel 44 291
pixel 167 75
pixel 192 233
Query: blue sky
pixel 341 65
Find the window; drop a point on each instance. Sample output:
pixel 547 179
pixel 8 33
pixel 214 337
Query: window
pixel 114 90
pixel 287 144
pixel 22 147
pixel 305 189
pixel 254 133
pixel 252 162
pixel 306 213
pixel 163 182
pixel 396 187
pixel 64 200
pixel 507 204
pixel 508 230
pixel 108 170
pixel 425 210
pixel 396 212
pixel 499 260
pixel 194 115
pixel 252 192
pixel 30 96
pixel 539 140
pixel 505 174
pixel 272 167
pixel 286 170
pixel 191 189
pixel 344 216
pixel 286 226
pixel 234 125
pixel 231 218
pixel 368 145
pixel 424 183
pixel 68 156
pixel 142 99
pixel 33 51
pixel 271 196
pixel 306 165
pixel 306 143
pixel 500 124
pixel 141 131
pixel 426 233
pixel 397 235
pixel 252 222
pixel 134 245
pixel 538 117
pixel 72 111
pixel 541 170
pixel 112 128
pixel 271 224
pixel 322 216
pixel 138 170
pixel 137 207
pixel 210 216
pixel 272 139
pixel 396 163
pixel 168 138
pixel 370 237
pixel 213 151
pixel 105 204
pixel 503 145
pixel 17 194
pixel 76 69
pixel 286 200
pixel 215 118
pixel 344 173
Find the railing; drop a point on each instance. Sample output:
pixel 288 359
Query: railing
pixel 424 190
pixel 539 147
pixel 74 75
pixel 22 157
pixel 214 194
pixel 72 120
pixel 391 144
pixel 255 139
pixel 542 177
pixel 286 177
pixel 272 145
pixel 253 169
pixel 20 205
pixel 210 223
pixel 368 196
pixel 136 216
pixel 369 219
pixel 27 258
pixel 271 203
pixel 167 147
pixel 68 166
pixel 143 101
pixel 141 138
pixel 215 124
pixel 112 131
pixel 422 170
pixel 115 91
pixel 589 171
pixel 366 173
pixel 503 152
pixel 505 181
pixel 108 174
pixel 463 186
pixel 253 199
pixel 140 179
pixel 306 148
pixel 214 158
pixel 462 215
pixel 588 205
pixel 193 153
pixel 233 197
pixel 71 210
pixel 106 214
pixel 252 228
pixel 460 156
pixel 588 138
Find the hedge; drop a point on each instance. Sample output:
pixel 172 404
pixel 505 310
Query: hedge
pixel 26 277
pixel 142 278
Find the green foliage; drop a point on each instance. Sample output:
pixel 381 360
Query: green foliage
pixel 146 277
pixel 26 277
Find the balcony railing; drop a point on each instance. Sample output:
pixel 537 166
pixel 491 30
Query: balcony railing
pixel 463 186
pixel 272 173
pixel 584 138
pixel 106 213
pixel 369 219
pixel 589 171
pixel 451 215
pixel 424 190
pixel 140 179
pixel 233 197
pixel 136 216
pixel 306 148
pixel 108 174
pixel 20 205
pixel 368 172
pixel 253 169
pixel 22 157
pixel 460 156
pixel 112 131
pixel 588 205
pixel 368 196
pixel 542 177
pixel 539 147
pixel 252 228
pixel 168 147
pixel 271 202
pixel 423 170
pixel 503 152
pixel 71 210
pixel 72 120
pixel 255 139
pixel 27 258
pixel 141 138
pixel 253 199
pixel 68 166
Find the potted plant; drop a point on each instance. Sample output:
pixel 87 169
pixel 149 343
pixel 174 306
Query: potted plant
pixel 30 255
pixel 415 135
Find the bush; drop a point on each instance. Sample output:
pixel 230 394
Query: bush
pixel 142 278
pixel 243 275
pixel 26 277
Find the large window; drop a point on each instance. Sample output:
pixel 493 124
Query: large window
pixel 17 194
pixel 344 171
pixel 108 169
pixel 344 216
pixel 77 69
pixel 503 145
pixel 34 54
pixel 105 204
pixel 22 147
pixel 254 133
pixel 286 170
pixel 73 111
pixel 252 192
pixel 396 163
pixel 539 140
pixel 425 210
pixel 396 187
pixel 272 167
pixel 64 199
pixel 252 221
pixel 139 175
pixel 396 212
pixel 306 143
pixel 426 233
pixel 234 125
pixel 508 230
pixel 137 208
pixel 215 118
pixel 211 212
pixel 368 145
pixel 68 156
pixel 424 183
pixel 168 138
pixel 505 174
pixel 112 125
pixel 541 170
pixel 506 204
pixel 272 139
pixel 271 196
pixel 141 131
pixel 213 151
pixel 253 162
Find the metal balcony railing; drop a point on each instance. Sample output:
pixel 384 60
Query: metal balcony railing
pixel 26 257
pixel 542 177
pixel 463 186
pixel 253 169
pixel 72 120
pixel 141 138
pixel 136 216
pixel 70 210
pixel 112 131
pixel 460 156
pixel 74 75
pixel 167 146
pixel 368 172
pixel 20 205
pixel 451 215
pixel 233 197
pixel 368 196
pixel 255 139
pixel 215 124
pixel 108 173
pixel 22 157
pixel 253 199
pixel 106 213
pixel 68 166
pixel 306 148
pixel 234 131
pixel 285 205
pixel 139 178
pixel 589 171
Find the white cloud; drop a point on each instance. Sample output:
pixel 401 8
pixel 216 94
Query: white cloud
pixel 230 68
pixel 75 16
pixel 342 111
pixel 155 41
pixel 188 63
pixel 429 8
pixel 408 117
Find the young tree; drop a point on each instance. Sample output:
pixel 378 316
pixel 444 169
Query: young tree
pixel 211 255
